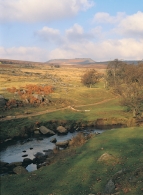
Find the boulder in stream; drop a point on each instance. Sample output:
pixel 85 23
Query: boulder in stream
pixel 45 131
pixel 63 144
pixel 62 130
pixel 54 140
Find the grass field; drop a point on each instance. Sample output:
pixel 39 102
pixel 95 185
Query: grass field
pixel 80 172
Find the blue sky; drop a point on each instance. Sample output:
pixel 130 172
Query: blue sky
pixel 40 30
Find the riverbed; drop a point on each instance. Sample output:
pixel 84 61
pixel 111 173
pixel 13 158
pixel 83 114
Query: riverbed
pixel 18 150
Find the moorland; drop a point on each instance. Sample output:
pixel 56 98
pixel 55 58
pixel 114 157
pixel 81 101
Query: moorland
pixel 61 98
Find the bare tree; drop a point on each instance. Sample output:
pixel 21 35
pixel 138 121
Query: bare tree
pixel 127 81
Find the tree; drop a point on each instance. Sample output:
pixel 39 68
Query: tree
pixel 126 80
pixel 90 78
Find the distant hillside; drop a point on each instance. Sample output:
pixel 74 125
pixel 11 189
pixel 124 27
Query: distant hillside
pixel 9 61
pixel 76 61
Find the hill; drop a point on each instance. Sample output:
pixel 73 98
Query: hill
pixel 76 61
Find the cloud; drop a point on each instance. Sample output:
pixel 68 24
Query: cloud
pixel 74 34
pixel 50 35
pixel 104 17
pixel 37 10
pixel 131 25
pixel 105 50
pixel 24 53
pixel 77 34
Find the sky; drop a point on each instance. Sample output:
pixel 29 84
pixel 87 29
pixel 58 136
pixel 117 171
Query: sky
pixel 41 30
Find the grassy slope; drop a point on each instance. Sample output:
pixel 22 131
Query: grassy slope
pixel 104 110
pixel 80 172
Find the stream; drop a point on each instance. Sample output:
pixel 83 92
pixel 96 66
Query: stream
pixel 15 151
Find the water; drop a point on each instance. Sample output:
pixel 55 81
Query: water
pixel 14 153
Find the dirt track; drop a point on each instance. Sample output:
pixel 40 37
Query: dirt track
pixel 50 111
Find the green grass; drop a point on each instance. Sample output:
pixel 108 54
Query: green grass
pixel 110 110
pixel 79 172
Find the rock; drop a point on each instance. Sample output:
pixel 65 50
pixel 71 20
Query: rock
pixel 63 144
pixel 54 140
pixel 38 97
pixel 37 132
pixel 3 168
pixel 109 188
pixel 39 158
pixel 106 158
pixel 39 155
pixel 40 138
pixel 49 153
pixel 119 174
pixel 3 164
pixel 20 170
pixel 27 161
pixel 2 101
pixel 14 164
pixel 61 130
pixel 25 155
pixel 45 131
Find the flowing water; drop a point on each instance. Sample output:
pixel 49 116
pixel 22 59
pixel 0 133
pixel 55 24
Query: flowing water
pixel 15 151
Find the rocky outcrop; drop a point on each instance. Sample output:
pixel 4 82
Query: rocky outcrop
pixel 45 131
pixel 62 130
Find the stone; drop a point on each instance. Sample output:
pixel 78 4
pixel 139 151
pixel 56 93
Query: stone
pixel 61 130
pixel 39 158
pixel 2 164
pixel 49 153
pixel 63 144
pixel 54 140
pixel 38 97
pixel 109 188
pixel 2 101
pixel 45 131
pixel 27 161
pixel 106 158
pixel 25 155
pixel 20 170
pixel 36 132
pixel 14 164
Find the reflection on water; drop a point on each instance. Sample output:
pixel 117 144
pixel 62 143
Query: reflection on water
pixel 14 153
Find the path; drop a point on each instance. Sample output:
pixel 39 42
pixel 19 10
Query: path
pixel 52 110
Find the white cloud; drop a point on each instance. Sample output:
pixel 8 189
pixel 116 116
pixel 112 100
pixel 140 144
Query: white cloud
pixel 104 17
pixel 24 53
pixel 106 50
pixel 37 10
pixel 50 35
pixel 77 34
pixel 74 34
pixel 132 25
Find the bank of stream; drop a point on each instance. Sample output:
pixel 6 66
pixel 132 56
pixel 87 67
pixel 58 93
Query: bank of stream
pixel 17 151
